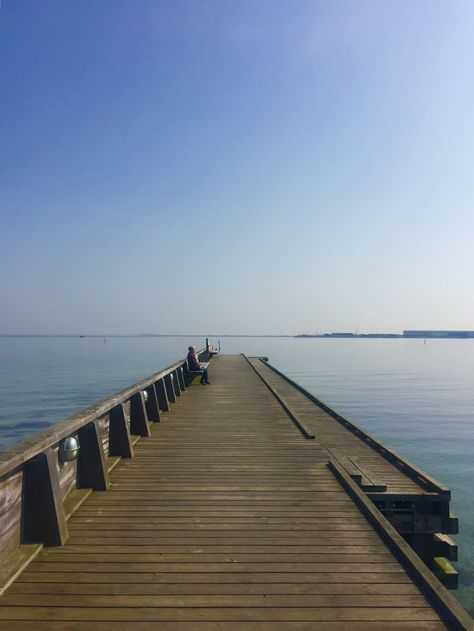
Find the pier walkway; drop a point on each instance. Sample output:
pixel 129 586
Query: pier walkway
pixel 228 518
pixel 334 436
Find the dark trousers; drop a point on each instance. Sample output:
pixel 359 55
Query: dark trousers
pixel 204 378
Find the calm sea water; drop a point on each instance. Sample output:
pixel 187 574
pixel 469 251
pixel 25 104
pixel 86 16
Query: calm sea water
pixel 418 397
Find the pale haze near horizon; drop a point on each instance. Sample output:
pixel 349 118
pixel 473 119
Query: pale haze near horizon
pixel 236 167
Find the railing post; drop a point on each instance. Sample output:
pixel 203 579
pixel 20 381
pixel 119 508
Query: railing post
pixel 170 388
pixel 119 434
pixel 152 408
pixel 162 395
pixel 44 520
pixel 176 384
pixel 182 383
pixel 138 416
pixel 91 466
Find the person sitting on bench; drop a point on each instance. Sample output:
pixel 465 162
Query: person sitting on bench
pixel 194 365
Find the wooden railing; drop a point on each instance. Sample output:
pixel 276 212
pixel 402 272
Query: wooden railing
pixel 40 489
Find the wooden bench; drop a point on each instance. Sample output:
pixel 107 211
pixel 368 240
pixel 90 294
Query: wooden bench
pixel 194 376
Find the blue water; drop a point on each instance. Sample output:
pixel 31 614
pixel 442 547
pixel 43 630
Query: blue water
pixel 416 396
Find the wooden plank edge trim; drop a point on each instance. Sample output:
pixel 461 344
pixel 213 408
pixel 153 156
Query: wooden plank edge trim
pixel 387 452
pixel 449 609
pixel 26 553
pixel 112 462
pixel 294 417
pixel 74 500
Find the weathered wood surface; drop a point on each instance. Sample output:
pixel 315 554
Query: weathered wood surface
pixel 24 450
pixel 117 423
pixel 227 518
pixel 332 435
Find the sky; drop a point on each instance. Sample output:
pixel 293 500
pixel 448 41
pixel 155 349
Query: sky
pixel 239 167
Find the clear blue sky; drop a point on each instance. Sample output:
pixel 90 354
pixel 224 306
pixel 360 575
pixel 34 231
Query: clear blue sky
pixel 236 166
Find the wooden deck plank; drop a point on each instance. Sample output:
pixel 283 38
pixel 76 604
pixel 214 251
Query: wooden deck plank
pixel 331 625
pixel 218 600
pixel 262 549
pixel 218 614
pixel 213 588
pixel 55 576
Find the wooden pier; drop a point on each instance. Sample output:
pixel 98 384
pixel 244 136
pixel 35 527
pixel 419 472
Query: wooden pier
pixel 246 504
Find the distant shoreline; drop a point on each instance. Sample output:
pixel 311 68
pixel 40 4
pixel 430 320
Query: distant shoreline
pixel 408 334
pixel 106 335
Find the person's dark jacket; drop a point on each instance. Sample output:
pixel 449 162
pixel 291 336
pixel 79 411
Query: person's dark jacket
pixel 193 363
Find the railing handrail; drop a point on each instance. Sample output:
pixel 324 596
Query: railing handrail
pixel 22 451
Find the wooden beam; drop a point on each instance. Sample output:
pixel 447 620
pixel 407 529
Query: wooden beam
pixel 446 546
pixel 152 408
pixel 43 516
pixel 119 434
pixel 176 384
pixel 138 416
pixel 170 388
pixel 162 395
pixel 180 374
pixel 445 572
pixel 293 416
pixel 91 465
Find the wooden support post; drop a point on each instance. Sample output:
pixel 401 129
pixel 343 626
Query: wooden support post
pixel 91 465
pixel 445 546
pixel 162 395
pixel 152 408
pixel 170 388
pixel 43 518
pixel 445 572
pixel 182 383
pixel 176 384
pixel 186 375
pixel 138 416
pixel 119 434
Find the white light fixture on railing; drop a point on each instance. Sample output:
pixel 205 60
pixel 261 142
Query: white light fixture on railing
pixel 68 449
pixel 145 395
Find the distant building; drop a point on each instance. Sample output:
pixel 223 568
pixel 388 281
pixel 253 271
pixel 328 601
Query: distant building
pixel 440 334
